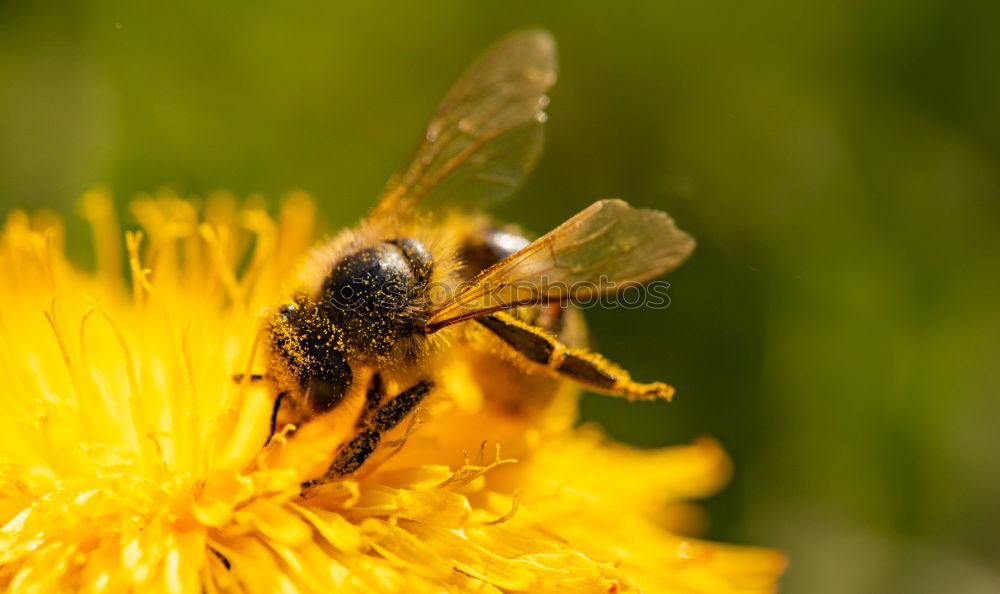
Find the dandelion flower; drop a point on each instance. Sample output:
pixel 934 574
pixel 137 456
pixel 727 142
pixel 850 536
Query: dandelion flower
pixel 131 460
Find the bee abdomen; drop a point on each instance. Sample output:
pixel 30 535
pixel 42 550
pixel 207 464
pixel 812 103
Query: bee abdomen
pixel 492 246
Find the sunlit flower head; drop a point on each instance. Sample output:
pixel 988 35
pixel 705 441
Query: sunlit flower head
pixel 131 460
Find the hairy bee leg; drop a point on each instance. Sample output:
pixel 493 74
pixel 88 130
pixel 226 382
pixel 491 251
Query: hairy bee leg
pixel 274 415
pixel 399 406
pixel 589 369
pixel 356 451
pixel 354 454
pixel 373 397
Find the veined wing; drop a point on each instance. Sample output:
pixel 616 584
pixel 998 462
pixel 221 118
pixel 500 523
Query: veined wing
pixel 600 250
pixel 487 132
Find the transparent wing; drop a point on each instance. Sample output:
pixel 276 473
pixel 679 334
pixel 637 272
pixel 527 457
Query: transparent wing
pixel 601 250
pixel 486 134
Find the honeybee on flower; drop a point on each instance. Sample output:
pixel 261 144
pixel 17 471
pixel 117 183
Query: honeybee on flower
pixel 366 327
pixel 130 460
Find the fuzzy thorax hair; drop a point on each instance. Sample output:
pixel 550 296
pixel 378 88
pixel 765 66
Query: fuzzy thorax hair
pixel 364 341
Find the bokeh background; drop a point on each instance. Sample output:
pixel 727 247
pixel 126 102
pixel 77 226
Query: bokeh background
pixel 838 328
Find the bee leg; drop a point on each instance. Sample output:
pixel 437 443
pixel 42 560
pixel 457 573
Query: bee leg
pixel 589 369
pixel 373 397
pixel 399 406
pixel 274 415
pixel 254 378
pixel 390 414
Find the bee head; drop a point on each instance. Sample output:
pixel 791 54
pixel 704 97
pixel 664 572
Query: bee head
pixel 374 295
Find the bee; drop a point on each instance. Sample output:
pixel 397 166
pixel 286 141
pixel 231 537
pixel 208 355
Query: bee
pixel 381 303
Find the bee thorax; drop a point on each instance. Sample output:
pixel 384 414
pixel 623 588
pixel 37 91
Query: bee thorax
pixel 376 297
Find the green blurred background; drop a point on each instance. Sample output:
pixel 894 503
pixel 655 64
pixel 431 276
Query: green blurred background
pixel 838 328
